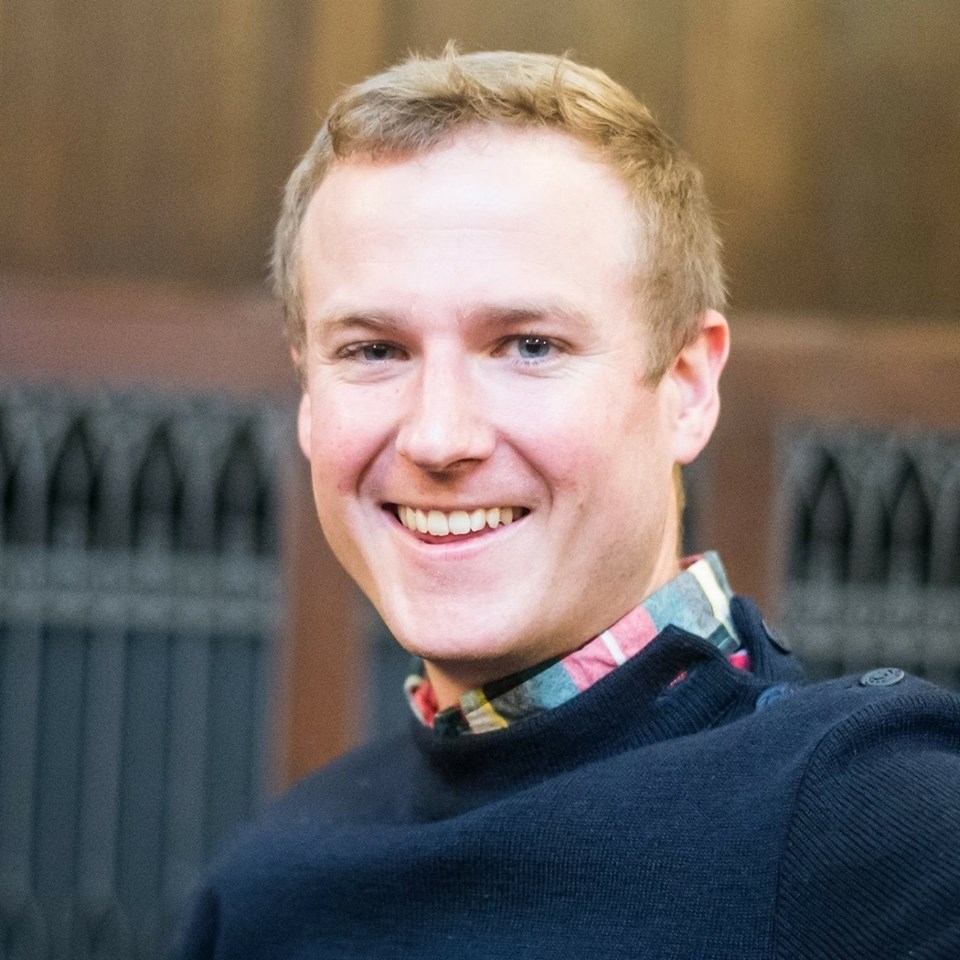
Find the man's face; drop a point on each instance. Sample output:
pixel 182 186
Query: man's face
pixel 473 349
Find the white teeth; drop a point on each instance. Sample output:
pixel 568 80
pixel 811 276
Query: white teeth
pixel 457 522
pixel 437 524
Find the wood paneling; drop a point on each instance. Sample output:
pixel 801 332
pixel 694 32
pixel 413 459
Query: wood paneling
pixel 152 140
pixel 324 674
pixel 163 335
pixel 804 368
pixel 890 164
pixel 639 42
pixel 830 137
pixel 346 44
pixel 753 79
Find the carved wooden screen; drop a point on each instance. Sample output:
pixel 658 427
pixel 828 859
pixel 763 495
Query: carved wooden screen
pixel 873 549
pixel 139 603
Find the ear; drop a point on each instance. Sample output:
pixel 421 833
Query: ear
pixel 305 423
pixel 694 376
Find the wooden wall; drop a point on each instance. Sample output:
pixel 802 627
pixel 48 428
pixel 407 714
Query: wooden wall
pixel 152 140
pixel 830 135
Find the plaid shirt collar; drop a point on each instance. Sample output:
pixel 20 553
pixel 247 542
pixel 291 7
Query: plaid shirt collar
pixel 696 600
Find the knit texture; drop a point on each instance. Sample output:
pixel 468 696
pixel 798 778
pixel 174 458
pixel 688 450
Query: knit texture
pixel 728 815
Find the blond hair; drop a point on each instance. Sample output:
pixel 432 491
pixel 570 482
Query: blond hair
pixel 422 102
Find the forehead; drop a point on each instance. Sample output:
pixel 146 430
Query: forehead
pixel 479 174
pixel 493 211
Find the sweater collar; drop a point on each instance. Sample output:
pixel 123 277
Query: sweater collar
pixel 697 601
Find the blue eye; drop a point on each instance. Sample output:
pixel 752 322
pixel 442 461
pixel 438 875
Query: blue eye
pixel 376 352
pixel 534 348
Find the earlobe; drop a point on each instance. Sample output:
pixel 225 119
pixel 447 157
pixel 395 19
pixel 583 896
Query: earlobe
pixel 304 424
pixel 695 374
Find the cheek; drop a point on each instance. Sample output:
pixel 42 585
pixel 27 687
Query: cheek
pixel 597 432
pixel 344 442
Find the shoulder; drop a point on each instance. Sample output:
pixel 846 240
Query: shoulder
pixel 883 743
pixel 871 861
pixel 843 704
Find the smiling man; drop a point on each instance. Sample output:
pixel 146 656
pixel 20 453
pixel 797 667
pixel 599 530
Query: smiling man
pixel 492 450
pixel 502 286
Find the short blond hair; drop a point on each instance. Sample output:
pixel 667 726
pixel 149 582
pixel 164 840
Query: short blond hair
pixel 422 102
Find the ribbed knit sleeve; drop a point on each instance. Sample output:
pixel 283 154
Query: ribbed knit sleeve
pixel 871 865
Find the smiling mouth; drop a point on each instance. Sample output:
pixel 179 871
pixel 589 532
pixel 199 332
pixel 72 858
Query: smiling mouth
pixel 456 523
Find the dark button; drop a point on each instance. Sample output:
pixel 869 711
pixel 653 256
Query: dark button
pixel 882 677
pixel 776 638
pixel 772 694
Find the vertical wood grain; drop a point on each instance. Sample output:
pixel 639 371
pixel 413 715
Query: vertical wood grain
pixel 322 673
pixel 638 43
pixel 755 84
pixel 152 140
pixel 892 175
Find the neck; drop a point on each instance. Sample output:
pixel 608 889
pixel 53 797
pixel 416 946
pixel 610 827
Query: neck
pixel 446 688
pixel 451 679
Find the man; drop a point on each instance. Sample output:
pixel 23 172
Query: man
pixel 502 290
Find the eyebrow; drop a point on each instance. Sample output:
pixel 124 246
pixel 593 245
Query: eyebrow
pixel 372 320
pixel 486 315
pixel 518 314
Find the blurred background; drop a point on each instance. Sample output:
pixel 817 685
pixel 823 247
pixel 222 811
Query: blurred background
pixel 176 643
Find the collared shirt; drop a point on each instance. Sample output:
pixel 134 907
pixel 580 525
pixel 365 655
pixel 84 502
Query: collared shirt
pixel 696 600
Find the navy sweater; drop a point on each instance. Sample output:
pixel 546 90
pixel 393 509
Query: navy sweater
pixel 729 815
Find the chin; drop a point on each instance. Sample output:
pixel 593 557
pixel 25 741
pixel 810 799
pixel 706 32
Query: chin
pixel 466 644
pixel 465 648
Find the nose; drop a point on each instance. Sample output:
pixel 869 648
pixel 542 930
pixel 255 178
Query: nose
pixel 445 425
